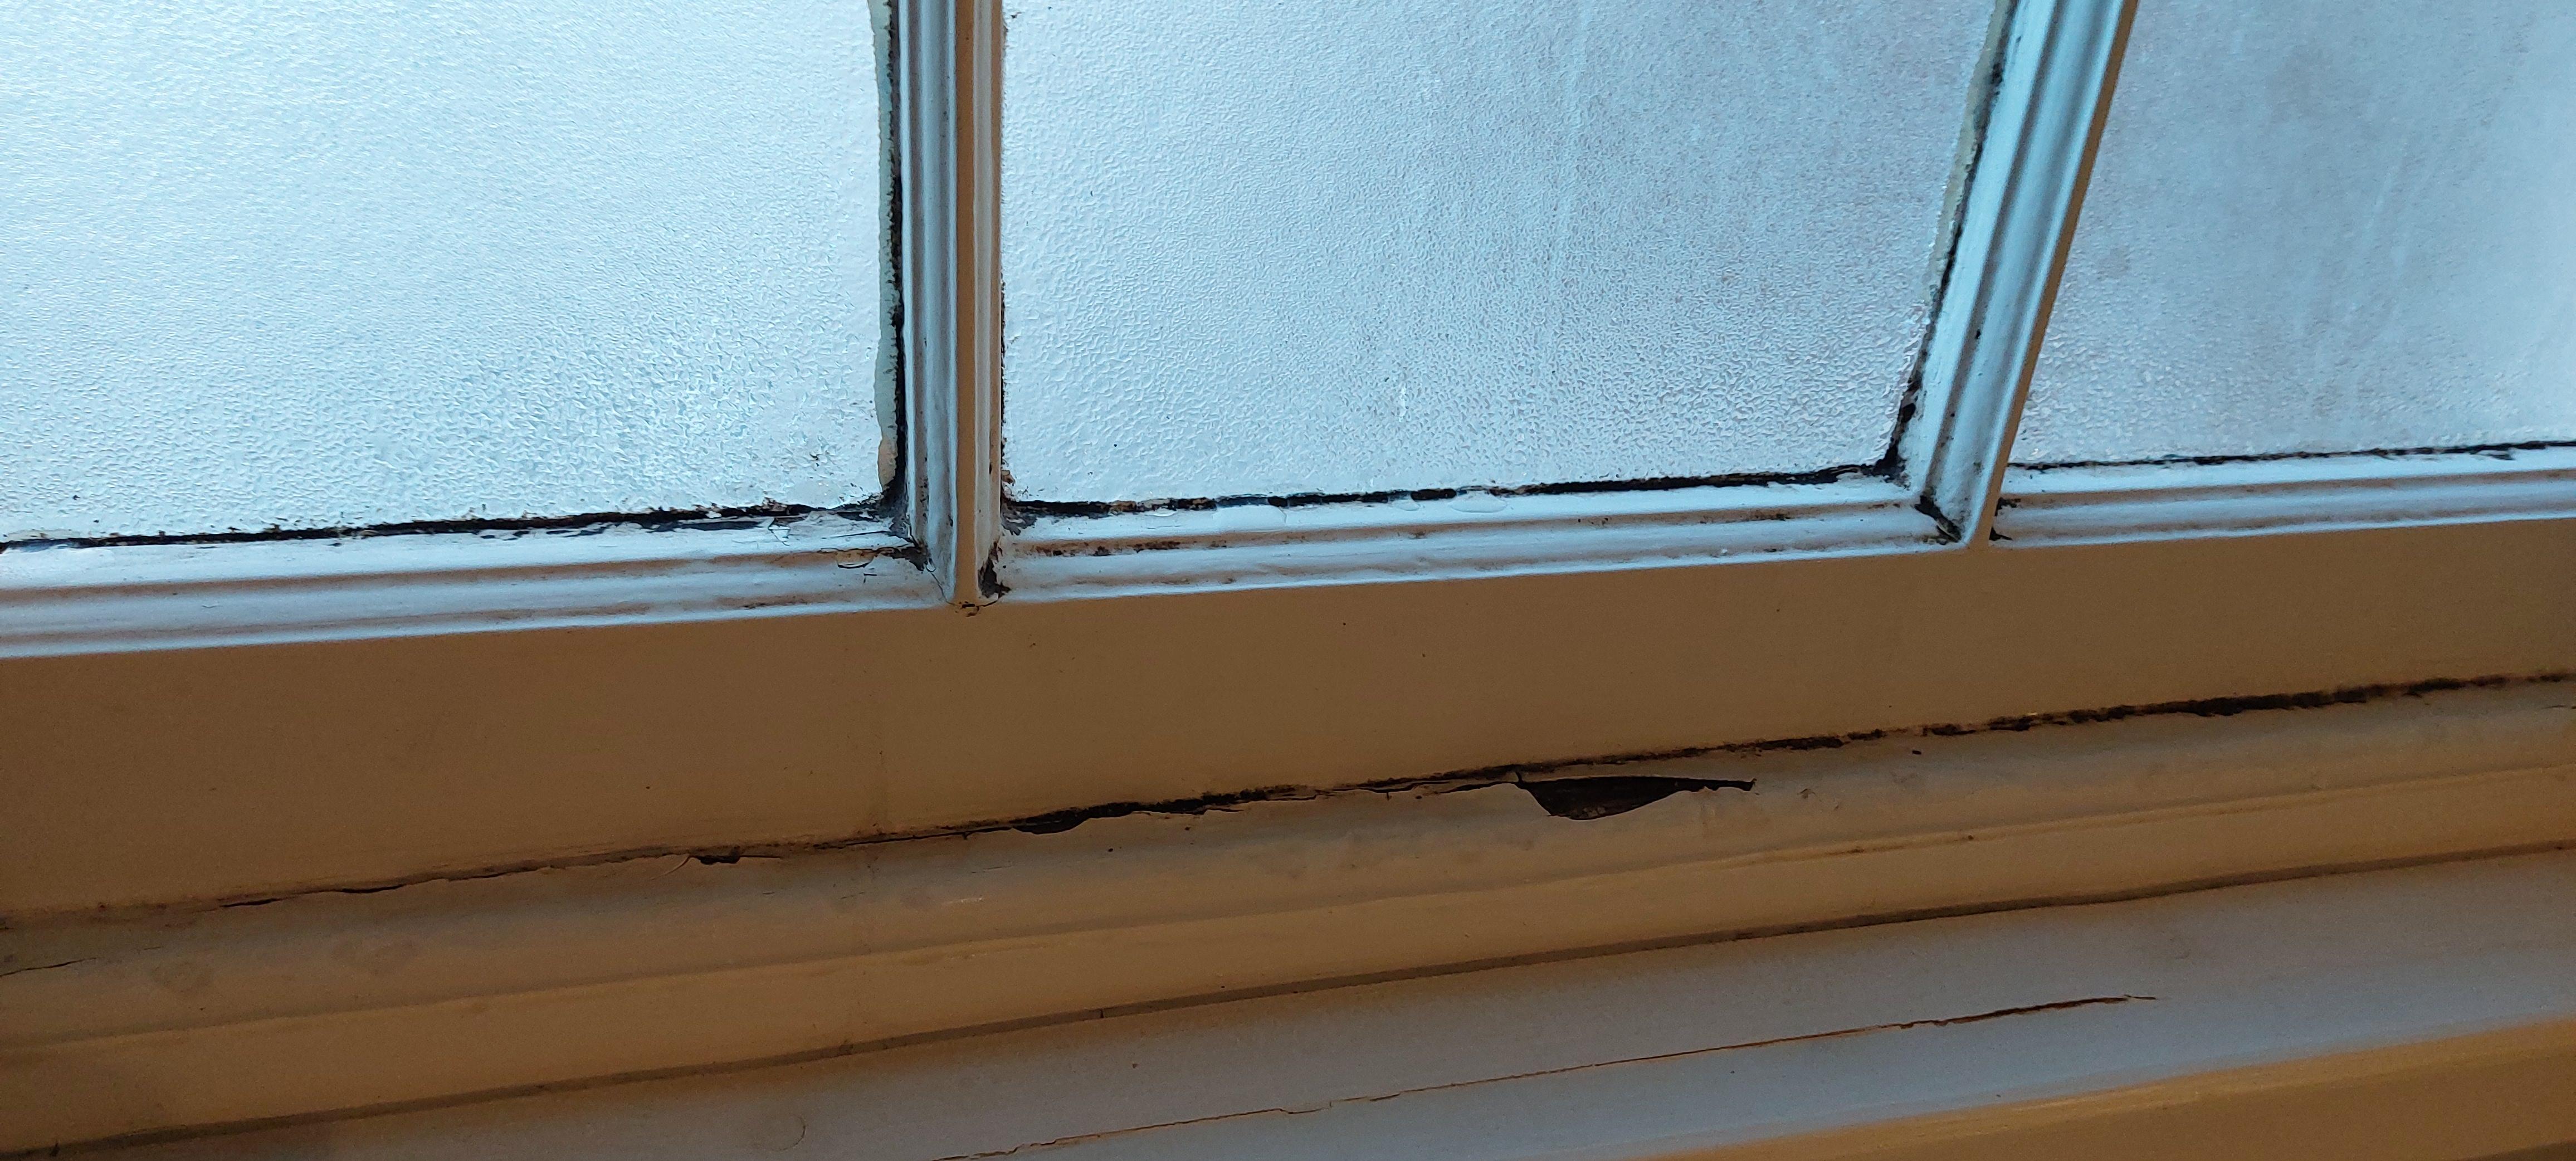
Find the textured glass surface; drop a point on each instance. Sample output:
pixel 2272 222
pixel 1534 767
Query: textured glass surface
pixel 2320 226
pixel 277 263
pixel 1346 246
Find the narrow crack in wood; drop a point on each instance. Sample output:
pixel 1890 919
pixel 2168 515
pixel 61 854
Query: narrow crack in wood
pixel 1337 1102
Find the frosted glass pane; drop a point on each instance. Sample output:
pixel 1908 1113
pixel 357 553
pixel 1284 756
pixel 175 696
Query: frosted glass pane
pixel 277 263
pixel 1348 246
pixel 2321 226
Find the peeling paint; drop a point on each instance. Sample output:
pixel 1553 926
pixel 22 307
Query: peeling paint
pixel 1577 792
pixel 1606 795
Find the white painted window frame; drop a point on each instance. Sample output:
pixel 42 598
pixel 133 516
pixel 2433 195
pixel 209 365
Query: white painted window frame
pixel 2058 62
pixel 943 536
pixel 939 679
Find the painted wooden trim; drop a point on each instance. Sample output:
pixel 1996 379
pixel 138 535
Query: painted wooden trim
pixel 2129 502
pixel 211 774
pixel 91 599
pixel 464 986
pixel 2061 59
pixel 948 98
pixel 1472 534
pixel 2418 1014
pixel 973 58
pixel 925 146
pixel 2482 1094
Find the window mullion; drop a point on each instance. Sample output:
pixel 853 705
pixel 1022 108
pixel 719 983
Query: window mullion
pixel 2061 59
pixel 950 121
